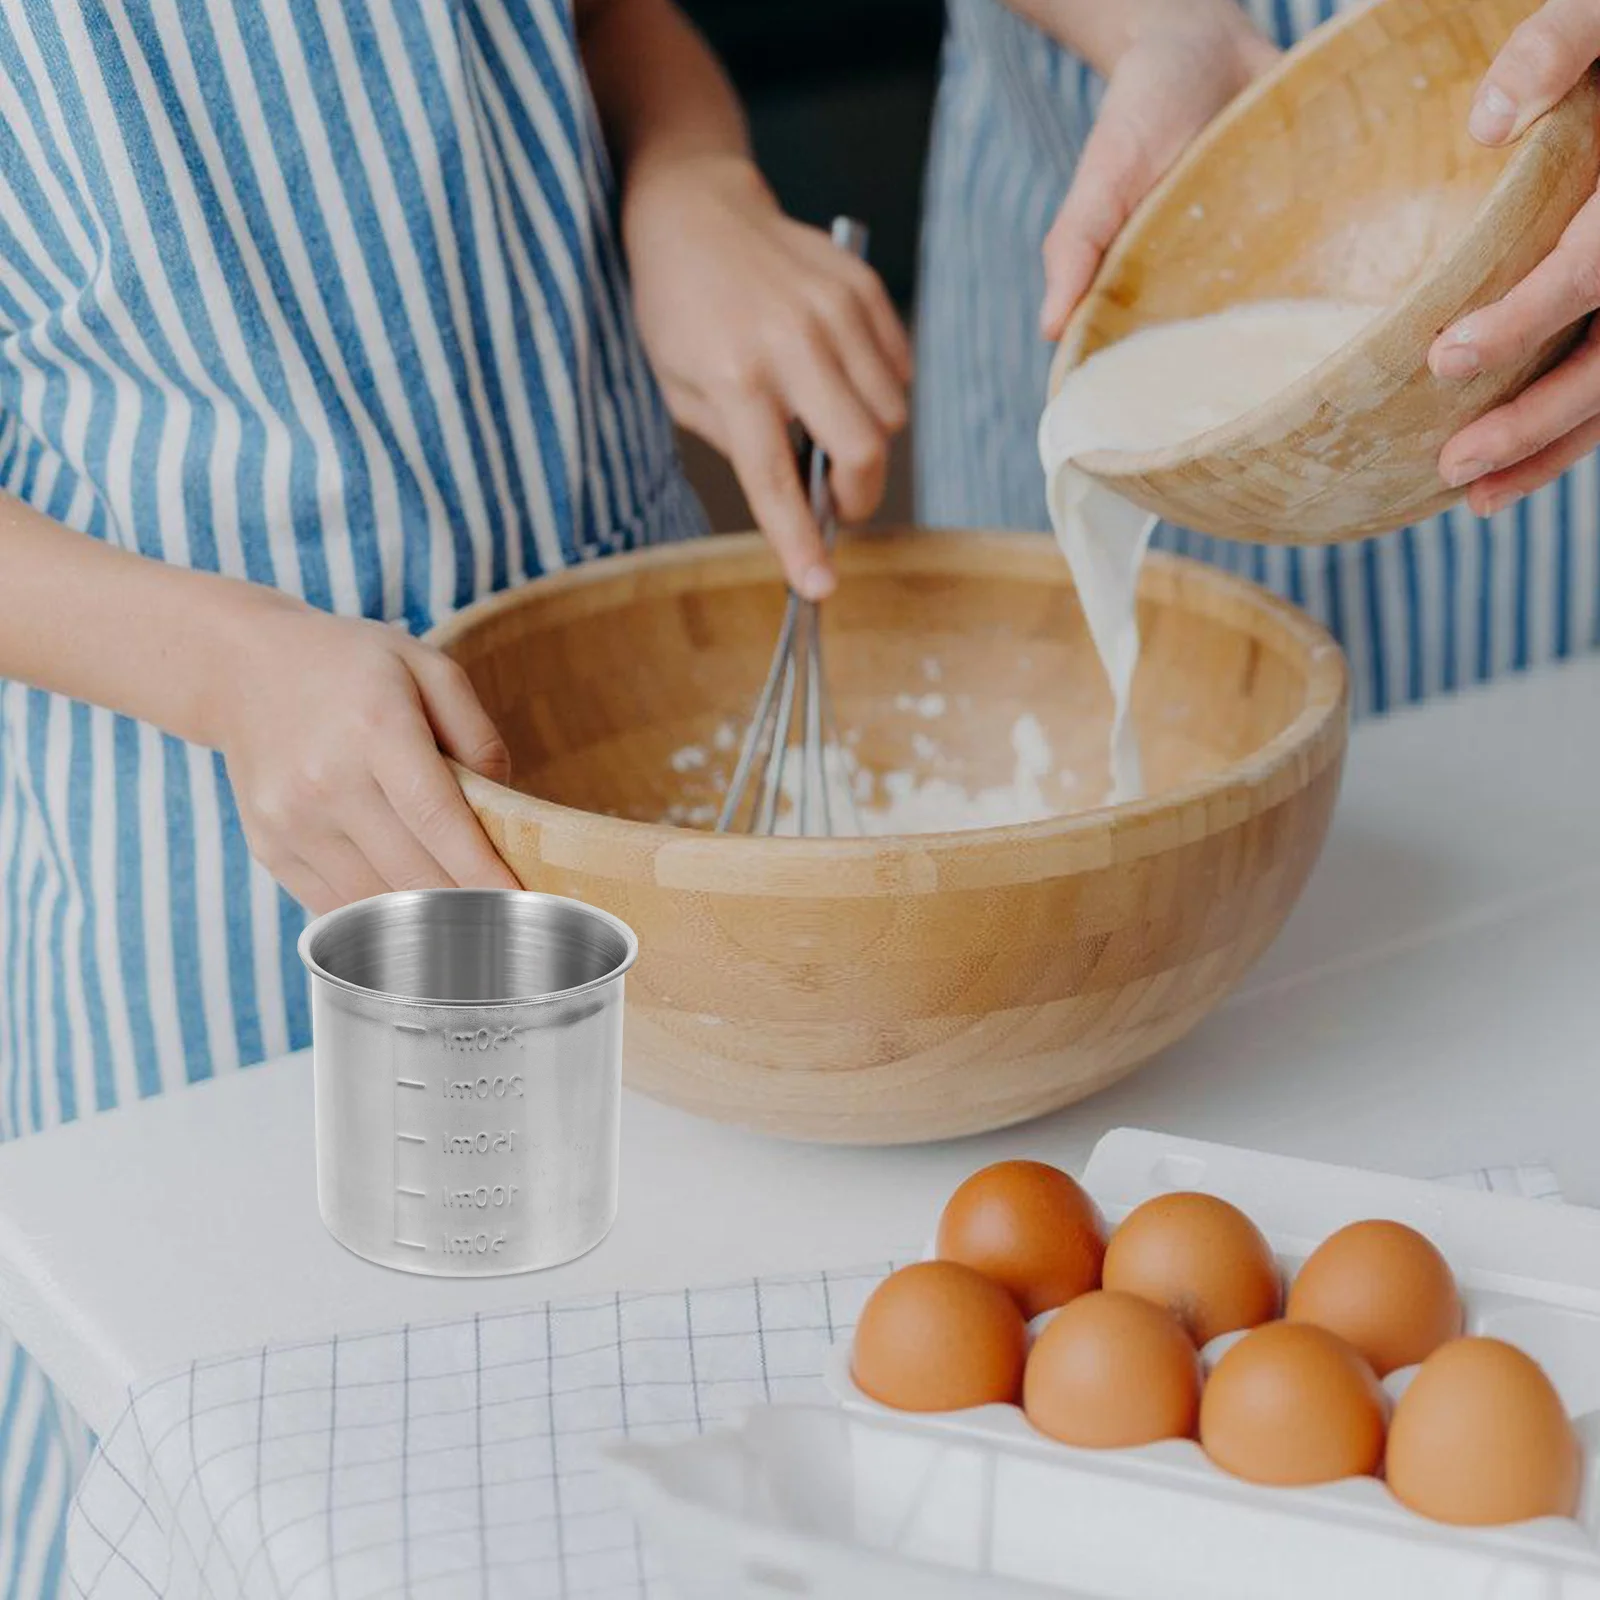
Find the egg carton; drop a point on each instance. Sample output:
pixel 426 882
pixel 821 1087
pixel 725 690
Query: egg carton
pixel 862 1502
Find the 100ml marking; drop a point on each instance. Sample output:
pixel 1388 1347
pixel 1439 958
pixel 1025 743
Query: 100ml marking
pixel 481 1198
pixel 480 1144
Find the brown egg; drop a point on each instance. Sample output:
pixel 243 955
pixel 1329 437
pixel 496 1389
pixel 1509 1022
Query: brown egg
pixel 1382 1287
pixel 1201 1258
pixel 1029 1227
pixel 938 1336
pixel 1480 1437
pixel 1112 1370
pixel 1293 1404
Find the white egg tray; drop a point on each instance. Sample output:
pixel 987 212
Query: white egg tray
pixel 866 1502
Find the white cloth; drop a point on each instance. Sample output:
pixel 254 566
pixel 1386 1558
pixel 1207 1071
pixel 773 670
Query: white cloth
pixel 452 1460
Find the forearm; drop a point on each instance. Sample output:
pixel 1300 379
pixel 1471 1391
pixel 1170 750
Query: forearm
pixel 660 93
pixel 1101 31
pixel 84 619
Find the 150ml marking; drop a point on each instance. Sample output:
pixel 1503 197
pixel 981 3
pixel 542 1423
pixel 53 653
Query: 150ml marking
pixel 484 1088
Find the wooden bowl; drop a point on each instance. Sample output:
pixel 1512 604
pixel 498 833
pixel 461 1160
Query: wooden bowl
pixel 884 990
pixel 1345 173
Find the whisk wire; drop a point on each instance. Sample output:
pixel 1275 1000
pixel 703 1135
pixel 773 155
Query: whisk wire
pixel 814 748
pixel 830 742
pixel 778 756
pixel 756 751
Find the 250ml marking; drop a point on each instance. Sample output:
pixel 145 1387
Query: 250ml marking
pixel 480 1144
pixel 460 1039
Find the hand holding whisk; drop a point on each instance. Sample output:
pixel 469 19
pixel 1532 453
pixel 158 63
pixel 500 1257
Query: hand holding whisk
pixel 793 736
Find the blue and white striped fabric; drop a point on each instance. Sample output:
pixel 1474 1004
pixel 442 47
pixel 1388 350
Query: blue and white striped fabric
pixel 319 293
pixel 1453 601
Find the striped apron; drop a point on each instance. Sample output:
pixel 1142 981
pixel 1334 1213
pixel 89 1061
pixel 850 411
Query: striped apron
pixel 1456 600
pixel 324 294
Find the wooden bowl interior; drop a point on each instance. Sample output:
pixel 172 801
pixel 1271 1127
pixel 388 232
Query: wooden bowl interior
pixel 625 693
pixel 1342 177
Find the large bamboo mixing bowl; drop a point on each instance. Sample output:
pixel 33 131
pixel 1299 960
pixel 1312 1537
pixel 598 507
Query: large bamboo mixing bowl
pixel 1345 173
pixel 885 990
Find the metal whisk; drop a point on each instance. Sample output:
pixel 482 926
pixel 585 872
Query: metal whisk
pixel 793 731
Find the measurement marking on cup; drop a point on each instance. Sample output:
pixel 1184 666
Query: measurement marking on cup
pixel 484 1088
pixel 481 1198
pixel 485 1143
pixel 461 1039
pixel 473 1244
pixel 411 1193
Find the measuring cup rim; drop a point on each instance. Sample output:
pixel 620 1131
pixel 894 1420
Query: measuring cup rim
pixel 309 933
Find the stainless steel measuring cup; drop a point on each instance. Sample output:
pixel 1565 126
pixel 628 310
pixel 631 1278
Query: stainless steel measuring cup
pixel 467 1049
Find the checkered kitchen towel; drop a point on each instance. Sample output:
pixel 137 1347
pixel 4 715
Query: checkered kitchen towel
pixel 454 1460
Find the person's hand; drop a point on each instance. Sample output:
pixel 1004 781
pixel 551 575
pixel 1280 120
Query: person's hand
pixel 1556 421
pixel 331 730
pixel 1183 61
pixel 751 320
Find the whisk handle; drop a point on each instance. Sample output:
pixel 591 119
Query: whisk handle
pixel 848 234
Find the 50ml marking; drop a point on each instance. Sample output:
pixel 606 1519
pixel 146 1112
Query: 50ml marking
pixel 473 1244
pixel 484 1088
pixel 481 1198
pixel 480 1144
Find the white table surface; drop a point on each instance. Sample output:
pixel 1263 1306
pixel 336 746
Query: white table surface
pixel 1433 1005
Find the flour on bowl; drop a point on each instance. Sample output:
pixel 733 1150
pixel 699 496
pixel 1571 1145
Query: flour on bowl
pixel 901 802
pixel 682 815
pixel 1380 255
pixel 1157 388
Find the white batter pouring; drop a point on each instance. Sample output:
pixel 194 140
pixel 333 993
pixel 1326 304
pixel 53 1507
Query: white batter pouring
pixel 1153 389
